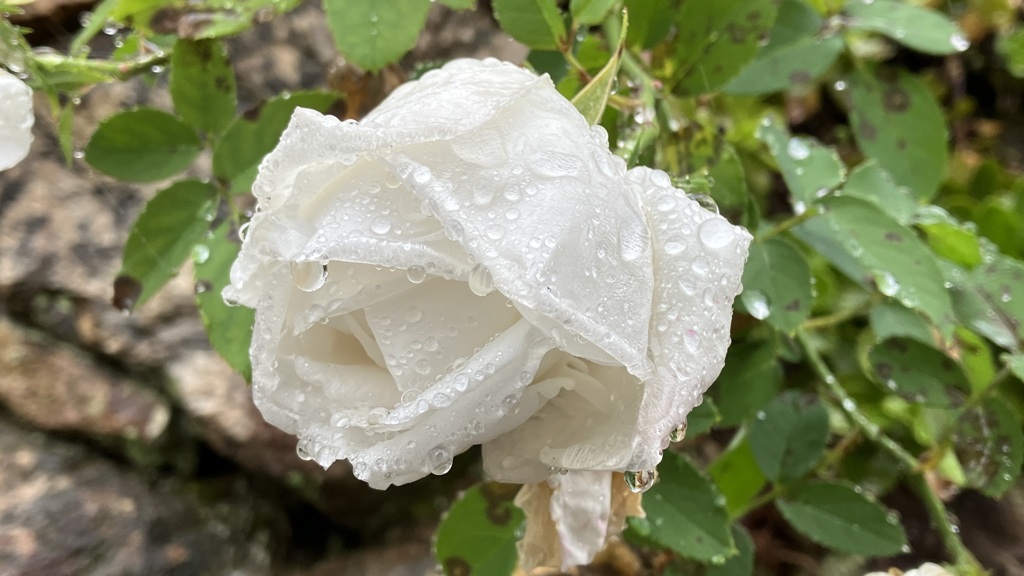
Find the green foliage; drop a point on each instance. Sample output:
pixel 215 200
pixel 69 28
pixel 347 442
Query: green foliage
pixel 478 534
pixel 842 518
pixel 373 34
pixel 142 145
pixel 789 436
pixel 229 327
pixel 777 284
pixel 536 23
pixel 202 84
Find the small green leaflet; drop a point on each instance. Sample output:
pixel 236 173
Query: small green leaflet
pixel 750 379
pixel 742 564
pixel 736 473
pixel 228 327
pixel 536 23
pixel 990 446
pixel 777 284
pixel 202 84
pixel 142 145
pixel 162 237
pixel 789 436
pixel 917 27
pixel 372 33
pixel 478 534
pixel 593 98
pixel 839 517
pixel 869 181
pixel 810 170
pixel 590 12
pixel 918 372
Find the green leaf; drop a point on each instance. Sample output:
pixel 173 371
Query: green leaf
pixel 716 40
pixel 794 57
pixel 742 564
pixel 898 122
pixel 250 137
pixel 789 436
pixel 871 468
pixel 737 474
pixel 1015 362
pixel 202 84
pixel 837 516
pixel 685 512
pixel 372 34
pixel 162 237
pixel 947 237
pixel 729 186
pixel 460 4
pixel 809 169
pixel 917 27
pixel 990 299
pixel 702 418
pixel 990 446
pixel 142 145
pixel 590 12
pixel 918 372
pixel 593 98
pixel 749 380
pixel 891 320
pixel 536 23
pixel 478 534
pixel 871 182
pixel 870 247
pixel 649 24
pixel 777 284
pixel 228 327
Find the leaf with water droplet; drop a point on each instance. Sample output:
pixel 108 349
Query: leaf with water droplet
pixel 536 23
pixel 794 57
pixel 163 235
pixel 948 237
pixel 917 27
pixel 478 533
pixel 809 168
pixel 685 512
pixel 742 564
pixel 228 327
pixel 873 183
pixel 791 438
pixel 897 121
pixel 701 418
pixel 892 319
pixel 918 372
pixel 777 284
pixel 593 98
pixel 837 516
pixel 749 380
pixel 989 444
pixel 736 473
pixel 372 34
pixel 715 40
pixel 868 246
pixel 202 84
pixel 990 299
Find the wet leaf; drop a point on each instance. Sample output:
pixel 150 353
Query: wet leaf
pixel 162 237
pixel 898 122
pixel 202 84
pixel 809 169
pixel 702 418
pixel 742 564
pixel 250 137
pixel 373 34
pixel 837 516
pixel 891 320
pixel 593 98
pixel 590 12
pixel 737 474
pixel 478 533
pixel 142 145
pixel 228 327
pixel 918 373
pixel 749 380
pixel 990 446
pixel 729 186
pixel 789 436
pixel 869 181
pixel 917 27
pixel 777 284
pixel 794 57
pixel 873 249
pixel 1015 362
pixel 990 299
pixel 716 40
pixel 649 24
pixel 536 23
pixel 685 512
pixel 949 238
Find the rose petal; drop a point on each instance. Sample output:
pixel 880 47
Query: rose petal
pixel 584 417
pixel 16 120
pixel 698 264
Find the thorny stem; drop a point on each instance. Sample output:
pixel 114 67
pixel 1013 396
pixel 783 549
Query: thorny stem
pixel 966 563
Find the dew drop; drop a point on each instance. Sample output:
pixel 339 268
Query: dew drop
pixel 679 433
pixel 480 280
pixel 717 233
pixel 308 276
pixel 416 274
pixel 640 480
pixel 380 225
pixel 797 149
pixel 439 459
pixel 887 284
pixel 959 42
pixel 757 304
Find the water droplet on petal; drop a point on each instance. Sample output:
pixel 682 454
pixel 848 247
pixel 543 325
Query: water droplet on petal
pixel 439 459
pixel 679 433
pixel 308 276
pixel 416 274
pixel 717 233
pixel 640 480
pixel 380 225
pixel 480 280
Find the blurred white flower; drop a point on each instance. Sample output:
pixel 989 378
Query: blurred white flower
pixel 471 265
pixel 926 569
pixel 16 120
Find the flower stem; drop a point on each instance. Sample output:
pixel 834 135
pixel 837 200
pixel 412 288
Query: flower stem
pixel 967 564
pixel 788 224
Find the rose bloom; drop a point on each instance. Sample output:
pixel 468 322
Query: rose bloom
pixel 469 264
pixel 16 120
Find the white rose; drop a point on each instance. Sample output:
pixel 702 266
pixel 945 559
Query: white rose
pixel 926 569
pixel 471 265
pixel 16 120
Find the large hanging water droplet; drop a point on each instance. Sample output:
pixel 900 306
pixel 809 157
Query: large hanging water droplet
pixel 439 459
pixel 757 304
pixel 640 480
pixel 416 274
pixel 717 233
pixel 308 276
pixel 480 280
pixel 679 433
